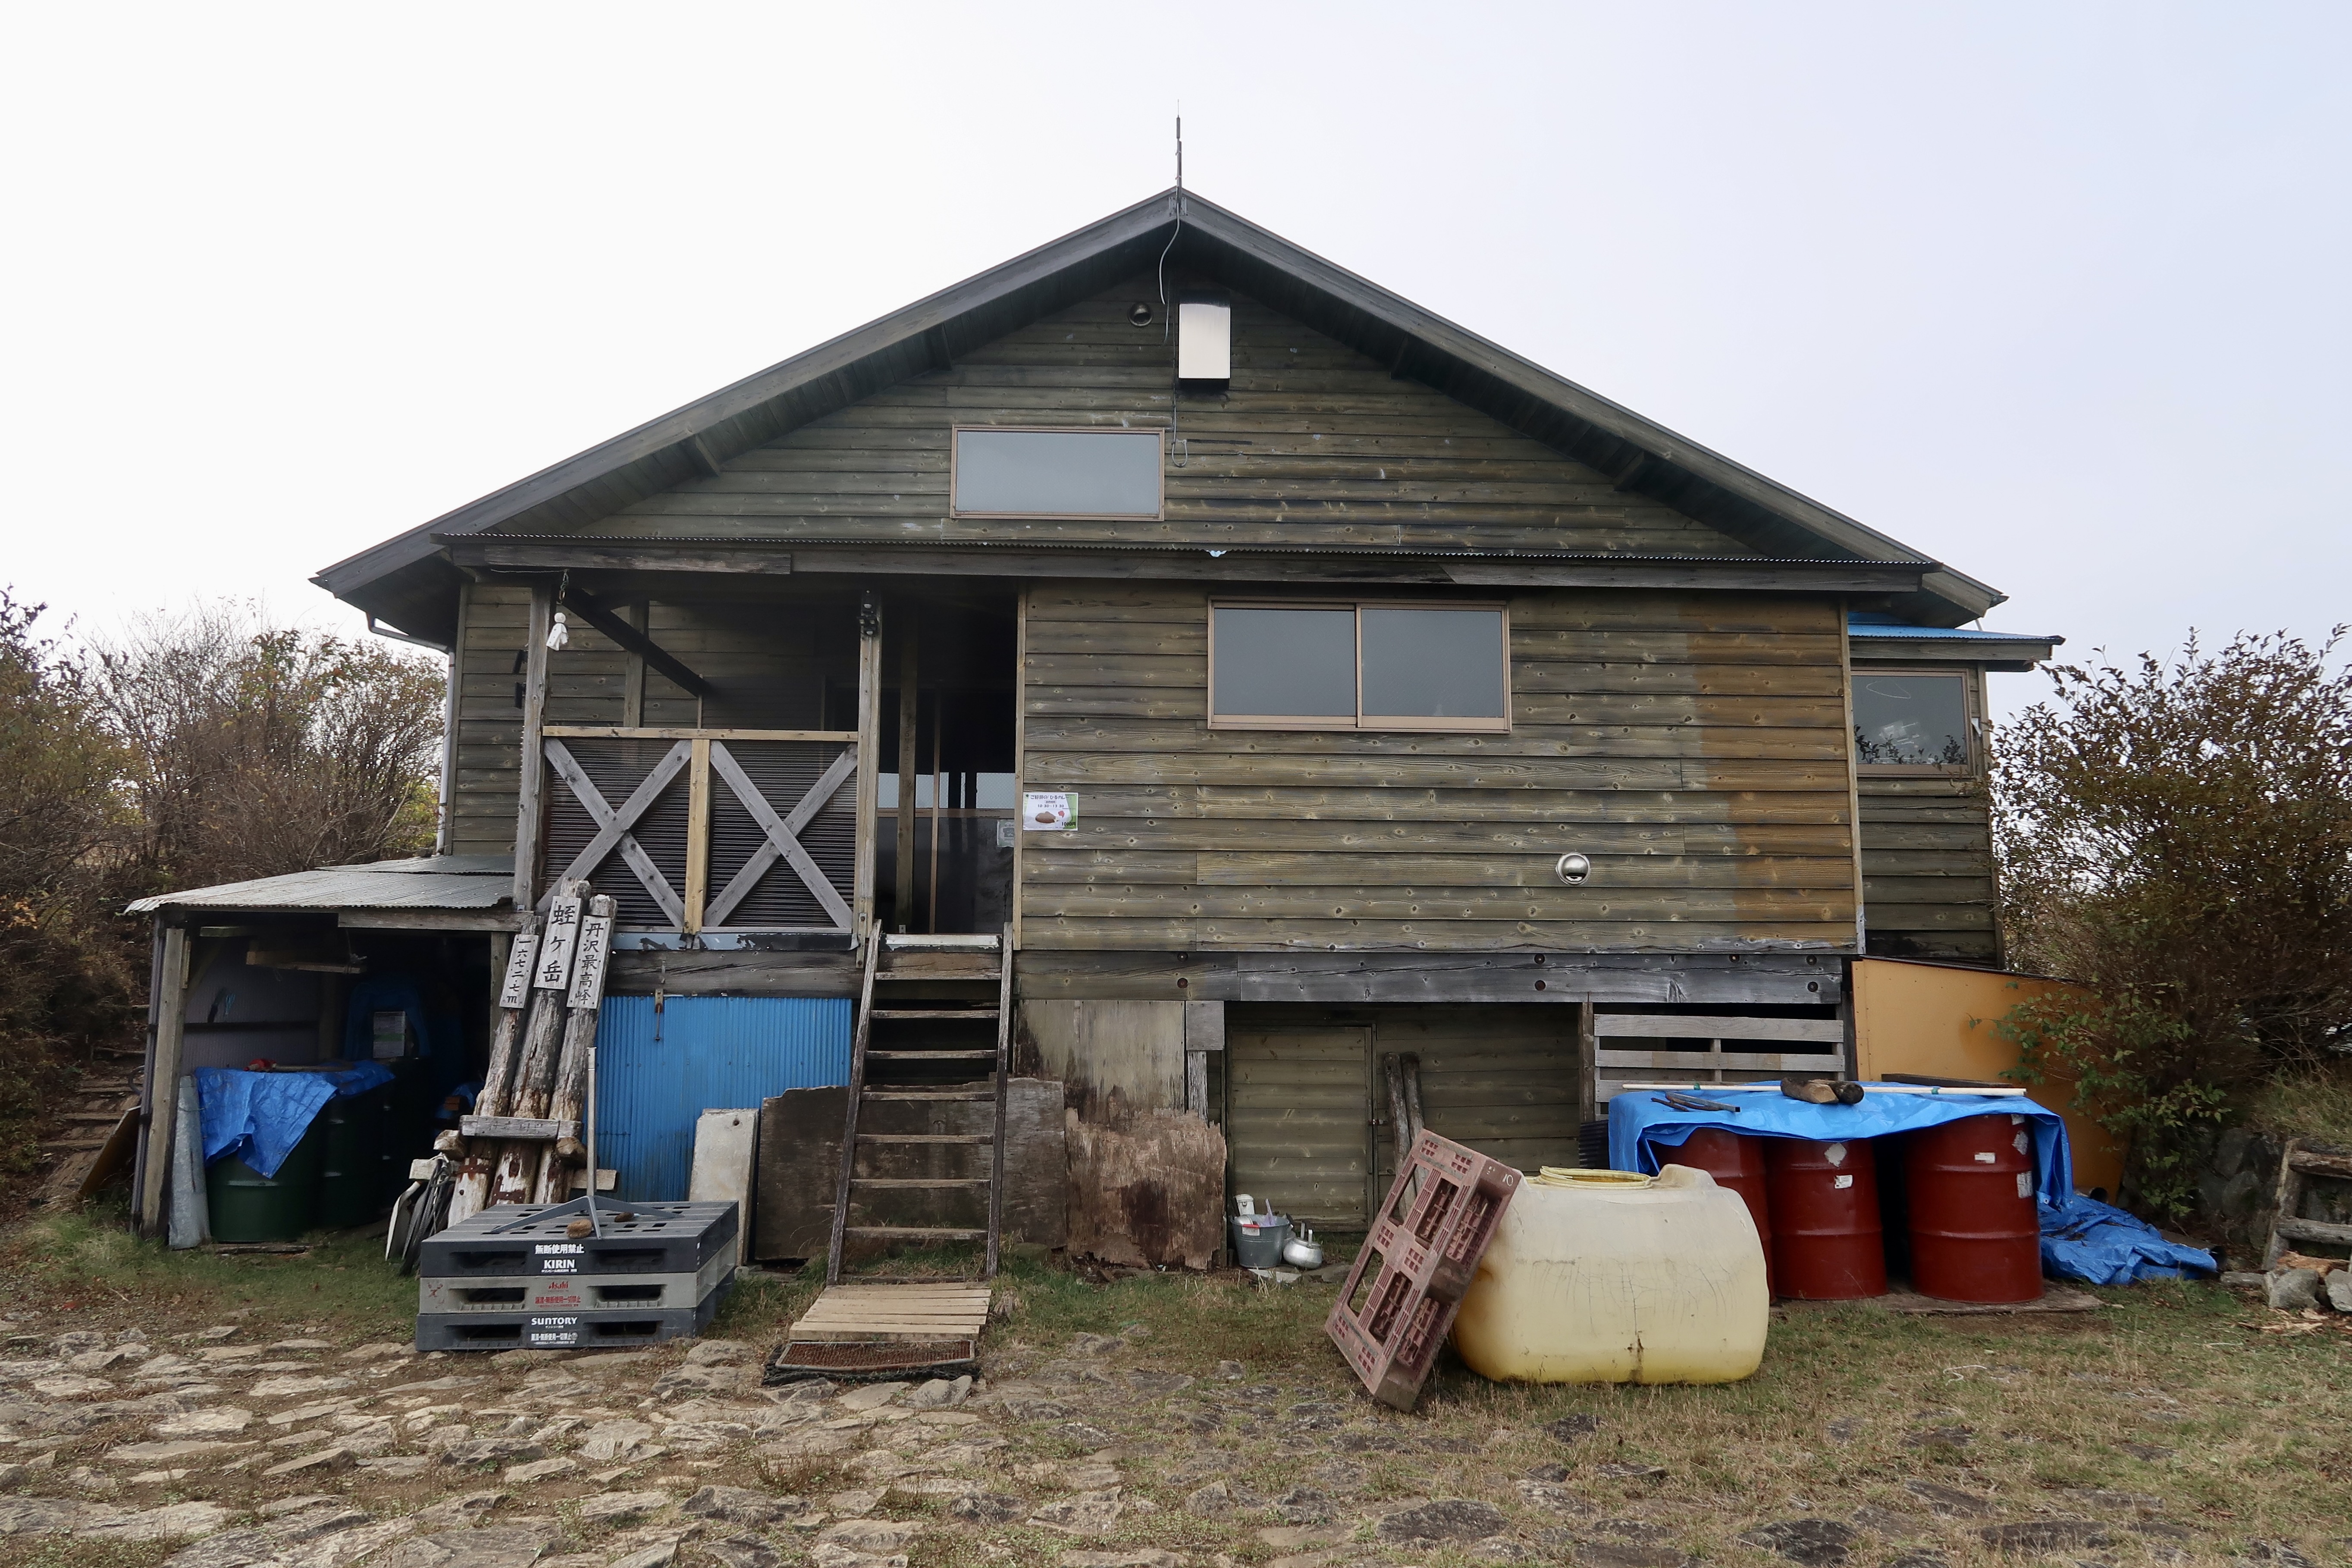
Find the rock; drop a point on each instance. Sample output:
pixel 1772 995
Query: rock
pixel 2275 1552
pixel 1302 1505
pixel 610 1440
pixel 1230 1371
pixel 1950 1501
pixel 717 1352
pixel 2151 1452
pixel 1887 1522
pixel 492 1451
pixel 1089 1440
pixel 1845 1428
pixel 174 1452
pixel 324 1517
pixel 1086 1514
pixel 1569 1428
pixel 74 1386
pixel 1210 1501
pixel 98 1361
pixel 612 1508
pixel 2339 1289
pixel 878 1537
pixel 1156 1383
pixel 301 1345
pixel 1316 1416
pixel 1552 1496
pixel 743 1551
pixel 654 1556
pixel 2042 1535
pixel 741 1505
pixel 324 1459
pixel 166 1523
pixel 1130 1557
pixel 1918 1560
pixel 985 1508
pixel 288 1387
pixel 492 1546
pixel 940 1393
pixel 2103 1497
pixel 830 1555
pixel 379 1353
pixel 1814 1543
pixel 540 1470
pixel 1094 1344
pixel 1453 1518
pixel 2289 1289
pixel 1941 1437
pixel 687 1380
pixel 1631 1472
pixel 204 1423
pixel 872 1395
pixel 1372 1442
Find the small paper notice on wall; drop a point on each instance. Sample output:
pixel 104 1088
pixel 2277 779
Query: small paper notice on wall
pixel 1048 812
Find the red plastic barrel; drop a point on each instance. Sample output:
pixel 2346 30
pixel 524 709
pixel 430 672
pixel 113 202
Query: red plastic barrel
pixel 1826 1245
pixel 1974 1233
pixel 1735 1160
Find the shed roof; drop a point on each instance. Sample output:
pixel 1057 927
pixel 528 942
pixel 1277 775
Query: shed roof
pixel 408 580
pixel 1884 636
pixel 436 882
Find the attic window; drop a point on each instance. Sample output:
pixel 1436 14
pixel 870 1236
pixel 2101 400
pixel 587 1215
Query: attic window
pixel 1004 471
pixel 1367 666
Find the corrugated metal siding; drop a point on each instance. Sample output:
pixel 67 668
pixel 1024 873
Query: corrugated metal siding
pixel 714 1052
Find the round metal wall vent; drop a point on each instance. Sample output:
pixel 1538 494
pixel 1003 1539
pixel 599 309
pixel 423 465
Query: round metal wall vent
pixel 1140 314
pixel 1573 869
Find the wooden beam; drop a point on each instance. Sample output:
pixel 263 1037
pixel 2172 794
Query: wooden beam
pixel 698 834
pixel 639 615
pixel 658 732
pixel 425 920
pixel 903 887
pixel 532 783
pixel 699 450
pixel 617 555
pixel 870 698
pixel 634 640
pixel 163 1078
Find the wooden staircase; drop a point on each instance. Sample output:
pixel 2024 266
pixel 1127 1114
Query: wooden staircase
pixel 932 1039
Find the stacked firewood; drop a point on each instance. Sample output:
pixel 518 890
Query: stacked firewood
pixel 523 1144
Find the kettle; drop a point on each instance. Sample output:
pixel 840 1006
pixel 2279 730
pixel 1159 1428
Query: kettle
pixel 1301 1251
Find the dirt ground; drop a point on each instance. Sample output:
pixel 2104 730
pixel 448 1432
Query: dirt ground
pixel 247 1412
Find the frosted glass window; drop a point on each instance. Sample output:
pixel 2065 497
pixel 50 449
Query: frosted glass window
pixel 1284 664
pixel 1057 473
pixel 1359 666
pixel 1432 664
pixel 1911 720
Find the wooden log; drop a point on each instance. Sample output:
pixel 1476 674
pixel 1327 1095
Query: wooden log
pixel 529 1129
pixel 568 1098
pixel 472 1191
pixel 163 1080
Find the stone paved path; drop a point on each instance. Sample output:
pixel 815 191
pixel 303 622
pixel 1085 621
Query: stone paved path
pixel 255 1448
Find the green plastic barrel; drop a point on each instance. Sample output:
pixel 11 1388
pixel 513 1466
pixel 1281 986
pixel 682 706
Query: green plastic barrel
pixel 249 1206
pixel 351 1174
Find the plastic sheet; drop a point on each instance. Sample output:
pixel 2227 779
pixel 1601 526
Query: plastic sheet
pixel 1643 1131
pixel 258 1116
pixel 2099 1244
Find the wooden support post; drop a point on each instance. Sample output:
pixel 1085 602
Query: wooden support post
pixel 1852 783
pixel 164 1079
pixel 529 787
pixel 1020 748
pixel 869 732
pixel 698 834
pixel 638 614
pixel 1588 1065
pixel 903 884
pixel 939 815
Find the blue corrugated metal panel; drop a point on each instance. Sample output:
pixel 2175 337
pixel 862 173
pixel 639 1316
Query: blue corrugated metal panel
pixel 714 1052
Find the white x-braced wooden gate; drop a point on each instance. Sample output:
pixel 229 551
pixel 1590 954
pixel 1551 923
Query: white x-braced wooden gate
pixel 750 830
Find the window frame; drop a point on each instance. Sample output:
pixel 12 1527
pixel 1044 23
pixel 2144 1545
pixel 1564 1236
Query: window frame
pixel 1362 723
pixel 1971 713
pixel 1160 504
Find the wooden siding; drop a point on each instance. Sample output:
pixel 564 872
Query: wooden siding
pixel 1927 869
pixel 1692 745
pixel 1313 445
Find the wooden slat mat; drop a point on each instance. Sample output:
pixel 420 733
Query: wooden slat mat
pixel 849 1311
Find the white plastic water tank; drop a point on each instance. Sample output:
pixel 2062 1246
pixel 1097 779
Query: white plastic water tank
pixel 1607 1277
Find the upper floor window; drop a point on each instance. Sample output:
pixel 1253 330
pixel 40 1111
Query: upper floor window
pixel 1357 666
pixel 1905 720
pixel 1012 472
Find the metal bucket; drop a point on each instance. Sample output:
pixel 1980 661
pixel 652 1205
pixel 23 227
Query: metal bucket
pixel 1257 1242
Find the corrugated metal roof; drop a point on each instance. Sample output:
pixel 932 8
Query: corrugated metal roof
pixel 446 882
pixel 1860 626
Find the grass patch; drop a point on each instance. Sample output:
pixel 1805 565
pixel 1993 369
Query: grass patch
pixel 2313 1104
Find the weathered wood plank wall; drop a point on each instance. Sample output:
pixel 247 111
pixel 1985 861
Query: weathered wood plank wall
pixel 1313 443
pixel 1927 869
pixel 1693 745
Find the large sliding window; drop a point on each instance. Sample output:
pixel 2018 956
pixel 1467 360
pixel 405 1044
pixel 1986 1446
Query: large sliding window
pixel 1005 472
pixel 1359 666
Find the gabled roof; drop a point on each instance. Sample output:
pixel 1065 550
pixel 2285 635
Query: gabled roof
pixel 407 581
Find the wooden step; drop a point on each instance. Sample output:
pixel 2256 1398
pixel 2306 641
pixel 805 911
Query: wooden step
pixel 928 1093
pixel 979 1014
pixel 915 1232
pixel 926 1056
pixel 919 1181
pixel 964 1138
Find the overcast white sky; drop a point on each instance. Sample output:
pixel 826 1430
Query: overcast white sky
pixel 2055 292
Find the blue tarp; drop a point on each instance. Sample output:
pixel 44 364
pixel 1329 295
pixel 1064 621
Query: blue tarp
pixel 1640 1124
pixel 2099 1244
pixel 357 1079
pixel 258 1116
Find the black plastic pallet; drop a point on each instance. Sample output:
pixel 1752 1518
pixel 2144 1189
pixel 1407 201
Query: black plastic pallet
pixel 663 1239
pixel 476 1293
pixel 618 1329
